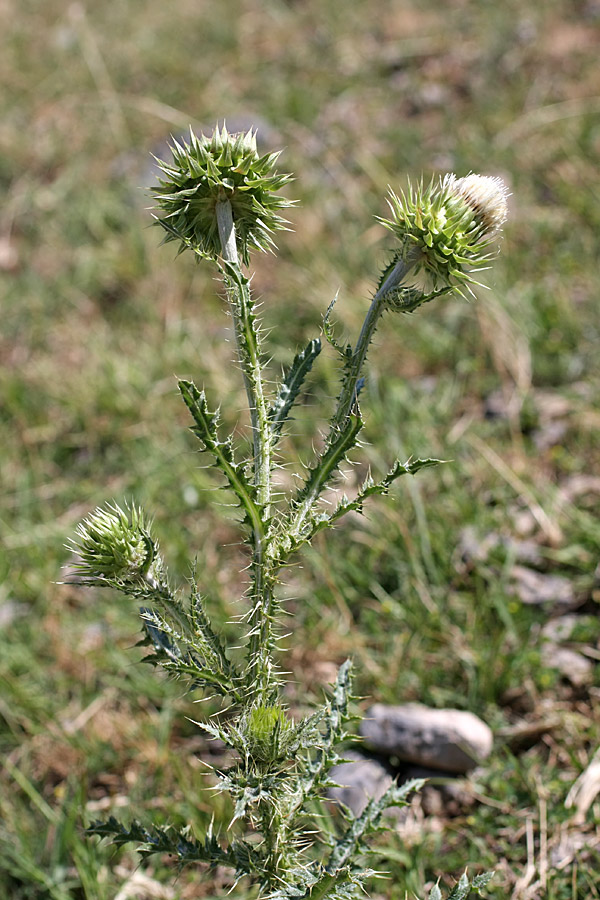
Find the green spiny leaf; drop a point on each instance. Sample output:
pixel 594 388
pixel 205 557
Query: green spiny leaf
pixel 351 844
pixel 345 352
pixel 211 643
pixel 368 489
pixel 334 715
pixel 165 840
pixel 464 887
pixel 196 662
pixel 165 647
pixel 292 384
pixel 341 442
pixel 461 890
pixel 206 430
pixel 307 731
pixel 481 881
pixel 316 885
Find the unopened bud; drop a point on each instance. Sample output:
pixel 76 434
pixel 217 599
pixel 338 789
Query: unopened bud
pixel 216 168
pixel 115 546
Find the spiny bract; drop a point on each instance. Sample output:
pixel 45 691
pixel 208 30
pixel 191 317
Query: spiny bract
pixel 447 228
pixel 220 167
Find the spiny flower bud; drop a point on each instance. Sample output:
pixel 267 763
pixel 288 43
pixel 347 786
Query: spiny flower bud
pixel 447 228
pixel 114 546
pixel 266 727
pixel 210 169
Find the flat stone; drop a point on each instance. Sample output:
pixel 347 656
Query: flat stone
pixel 360 780
pixel 448 739
pixel 537 588
pixel 573 666
pixel 562 627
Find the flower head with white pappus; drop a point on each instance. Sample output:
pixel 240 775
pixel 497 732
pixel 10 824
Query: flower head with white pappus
pixel 448 228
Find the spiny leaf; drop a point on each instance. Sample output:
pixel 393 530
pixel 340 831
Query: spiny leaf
pixel 334 715
pixel 342 693
pixel 292 384
pixel 206 430
pixel 162 643
pixel 352 842
pixel 209 673
pixel 165 840
pixel 464 887
pixel 316 883
pixel 370 488
pixel 220 734
pixel 461 890
pixel 345 352
pixel 210 640
pixel 316 522
pixel 341 442
pixel 238 855
pixel 481 881
pixel 307 731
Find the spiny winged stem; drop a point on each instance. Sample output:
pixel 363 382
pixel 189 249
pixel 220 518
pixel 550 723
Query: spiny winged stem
pixel 348 395
pixel 247 349
pixel 349 392
pixel 247 345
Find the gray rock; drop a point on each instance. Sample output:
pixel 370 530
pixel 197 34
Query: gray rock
pixel 360 780
pixel 537 588
pixel 447 739
pixel 573 666
pixel 561 628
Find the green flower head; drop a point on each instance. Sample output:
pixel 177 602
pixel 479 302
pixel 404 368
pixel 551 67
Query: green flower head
pixel 447 229
pixel 220 167
pixel 114 546
pixel 266 728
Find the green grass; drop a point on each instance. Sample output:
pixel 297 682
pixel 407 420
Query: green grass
pixel 97 321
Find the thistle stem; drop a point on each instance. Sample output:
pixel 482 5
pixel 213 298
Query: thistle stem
pixel 226 231
pixel 348 394
pixel 247 345
pixel 247 349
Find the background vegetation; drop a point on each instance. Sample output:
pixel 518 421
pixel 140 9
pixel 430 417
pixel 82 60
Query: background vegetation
pixel 430 592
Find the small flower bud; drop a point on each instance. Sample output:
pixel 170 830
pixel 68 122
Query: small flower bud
pixel 210 169
pixel 447 228
pixel 265 732
pixel 115 547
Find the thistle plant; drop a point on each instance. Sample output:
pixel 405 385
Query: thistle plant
pixel 218 198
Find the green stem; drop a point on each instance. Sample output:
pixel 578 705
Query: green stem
pixel 247 345
pixel 348 394
pixel 271 829
pixel 229 250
